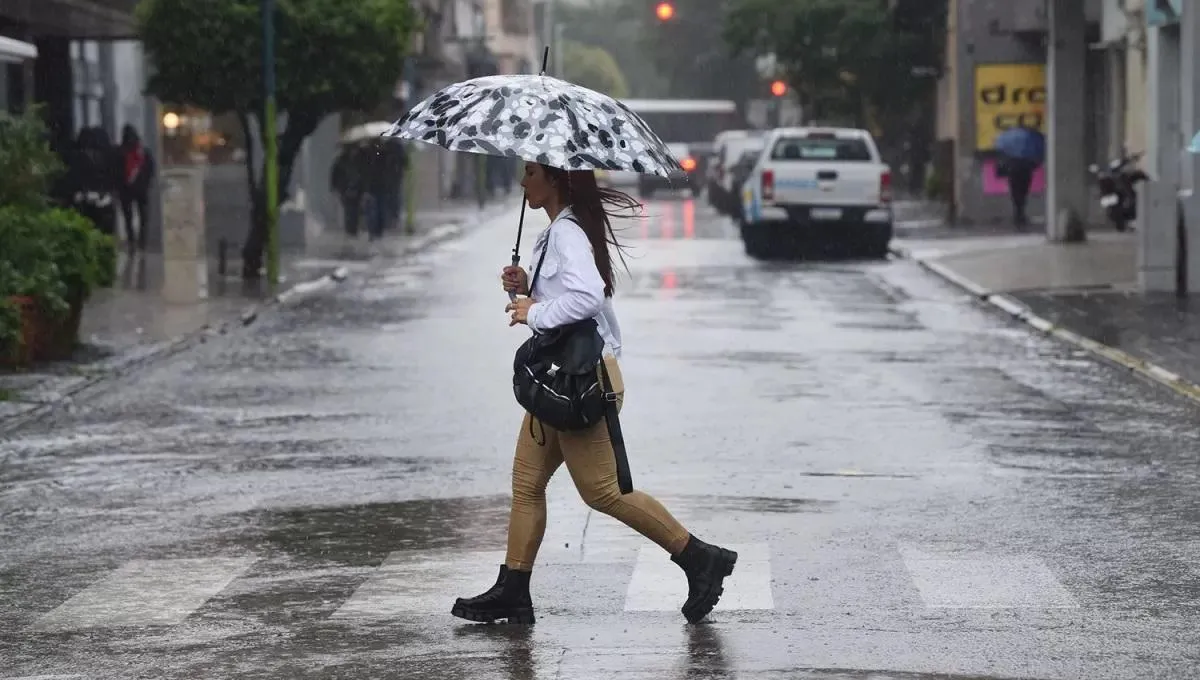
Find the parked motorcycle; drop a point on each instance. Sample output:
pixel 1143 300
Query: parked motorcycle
pixel 1118 188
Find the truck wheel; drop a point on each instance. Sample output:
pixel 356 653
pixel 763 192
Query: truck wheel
pixel 877 249
pixel 752 239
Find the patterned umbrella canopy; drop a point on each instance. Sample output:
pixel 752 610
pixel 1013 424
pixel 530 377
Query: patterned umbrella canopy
pixel 541 119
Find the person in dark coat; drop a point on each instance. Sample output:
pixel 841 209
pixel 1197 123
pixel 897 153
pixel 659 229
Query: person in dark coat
pixel 397 164
pixel 346 180
pixel 1019 168
pixel 380 184
pixel 92 179
pixel 137 174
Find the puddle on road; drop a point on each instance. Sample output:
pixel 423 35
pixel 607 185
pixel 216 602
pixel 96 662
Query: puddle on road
pixel 699 505
pixel 789 360
pixel 902 326
pixel 858 474
pixel 364 535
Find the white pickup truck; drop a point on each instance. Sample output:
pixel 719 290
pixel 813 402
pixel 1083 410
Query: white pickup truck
pixel 816 187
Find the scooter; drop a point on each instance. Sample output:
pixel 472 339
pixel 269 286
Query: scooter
pixel 1118 188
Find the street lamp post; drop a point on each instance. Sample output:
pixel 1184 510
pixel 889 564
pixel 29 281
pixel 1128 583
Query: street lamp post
pixel 270 146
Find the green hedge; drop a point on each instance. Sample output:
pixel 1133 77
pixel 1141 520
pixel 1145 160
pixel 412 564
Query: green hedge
pixel 53 255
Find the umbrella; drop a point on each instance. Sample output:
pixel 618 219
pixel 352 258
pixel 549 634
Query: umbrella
pixel 541 119
pixel 1022 142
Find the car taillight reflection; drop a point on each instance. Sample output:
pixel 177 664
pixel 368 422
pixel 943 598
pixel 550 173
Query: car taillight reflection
pixel 885 187
pixel 688 164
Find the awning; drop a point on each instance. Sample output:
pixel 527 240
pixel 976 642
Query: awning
pixel 14 51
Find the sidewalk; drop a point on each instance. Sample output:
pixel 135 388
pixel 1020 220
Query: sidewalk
pixel 131 323
pixel 1083 293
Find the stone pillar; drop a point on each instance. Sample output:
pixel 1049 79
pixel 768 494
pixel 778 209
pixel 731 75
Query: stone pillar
pixel 1066 171
pixel 185 263
pixel 1159 197
pixel 1189 91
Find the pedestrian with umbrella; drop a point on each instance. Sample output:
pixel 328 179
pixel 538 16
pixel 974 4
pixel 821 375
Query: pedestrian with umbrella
pixel 1022 151
pixel 567 375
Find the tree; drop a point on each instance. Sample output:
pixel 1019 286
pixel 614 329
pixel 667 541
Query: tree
pixel 331 56
pixel 850 61
pixel 688 50
pixel 608 25
pixel 594 68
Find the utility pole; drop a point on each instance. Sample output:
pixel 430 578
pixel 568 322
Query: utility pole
pixel 270 146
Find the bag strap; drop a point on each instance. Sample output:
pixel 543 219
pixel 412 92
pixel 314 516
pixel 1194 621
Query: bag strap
pixel 537 271
pixel 611 417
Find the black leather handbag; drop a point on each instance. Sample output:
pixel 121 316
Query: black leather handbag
pixel 555 376
pixel 559 377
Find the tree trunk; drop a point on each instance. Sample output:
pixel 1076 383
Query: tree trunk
pixel 299 127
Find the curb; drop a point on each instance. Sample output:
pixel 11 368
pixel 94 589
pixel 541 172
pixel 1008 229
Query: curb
pixel 201 335
pixel 1016 310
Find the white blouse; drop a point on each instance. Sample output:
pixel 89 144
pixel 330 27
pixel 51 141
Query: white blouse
pixel 569 287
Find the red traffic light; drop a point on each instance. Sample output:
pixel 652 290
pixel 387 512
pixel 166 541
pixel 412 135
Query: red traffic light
pixel 778 88
pixel 664 11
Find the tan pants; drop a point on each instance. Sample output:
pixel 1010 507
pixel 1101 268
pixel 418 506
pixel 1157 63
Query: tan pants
pixel 593 467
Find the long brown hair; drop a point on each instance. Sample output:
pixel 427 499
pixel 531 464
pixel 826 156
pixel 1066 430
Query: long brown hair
pixel 595 207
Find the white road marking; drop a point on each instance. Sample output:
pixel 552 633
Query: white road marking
pixel 658 584
pixel 407 583
pixel 145 593
pixel 986 582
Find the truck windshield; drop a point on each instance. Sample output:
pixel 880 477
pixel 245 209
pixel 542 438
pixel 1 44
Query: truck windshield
pixel 820 148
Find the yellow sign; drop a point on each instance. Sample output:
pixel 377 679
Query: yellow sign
pixel 1006 95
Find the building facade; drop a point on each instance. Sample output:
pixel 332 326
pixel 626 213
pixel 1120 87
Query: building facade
pixel 1101 78
pixel 994 76
pixel 463 39
pixel 87 70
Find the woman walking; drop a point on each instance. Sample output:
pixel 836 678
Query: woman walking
pixel 575 283
pixel 138 173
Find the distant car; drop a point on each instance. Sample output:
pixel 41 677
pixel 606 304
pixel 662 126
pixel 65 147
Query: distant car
pixel 812 187
pixel 689 178
pixel 722 194
pixel 614 178
pixel 714 166
pixel 737 174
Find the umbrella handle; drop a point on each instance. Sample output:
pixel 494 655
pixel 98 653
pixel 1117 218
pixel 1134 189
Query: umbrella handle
pixel 512 297
pixel 516 253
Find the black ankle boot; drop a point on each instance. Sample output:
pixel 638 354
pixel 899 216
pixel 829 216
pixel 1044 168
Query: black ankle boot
pixel 507 599
pixel 706 567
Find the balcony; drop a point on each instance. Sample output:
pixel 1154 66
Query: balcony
pixel 81 19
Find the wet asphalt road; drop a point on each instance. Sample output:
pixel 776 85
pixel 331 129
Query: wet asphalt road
pixel 918 489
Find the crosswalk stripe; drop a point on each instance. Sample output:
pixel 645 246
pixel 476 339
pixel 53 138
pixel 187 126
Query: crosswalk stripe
pixel 410 583
pixel 145 593
pixel 658 584
pixel 985 582
pixel 166 592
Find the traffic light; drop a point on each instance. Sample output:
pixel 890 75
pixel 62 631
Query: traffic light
pixel 779 88
pixel 665 11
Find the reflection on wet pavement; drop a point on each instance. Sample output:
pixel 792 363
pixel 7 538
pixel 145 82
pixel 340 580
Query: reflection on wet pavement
pixel 919 489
